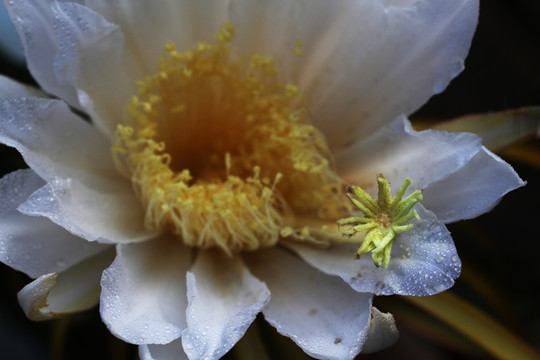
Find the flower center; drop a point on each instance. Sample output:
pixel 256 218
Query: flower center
pixel 221 153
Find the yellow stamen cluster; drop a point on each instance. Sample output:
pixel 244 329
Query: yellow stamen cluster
pixel 221 153
pixel 384 219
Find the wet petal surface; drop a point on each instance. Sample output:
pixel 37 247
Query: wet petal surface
pixel 424 261
pixel 224 299
pixel 320 313
pixel 143 300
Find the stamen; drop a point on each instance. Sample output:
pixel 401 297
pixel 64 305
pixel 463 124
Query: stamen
pixel 298 48
pixel 221 153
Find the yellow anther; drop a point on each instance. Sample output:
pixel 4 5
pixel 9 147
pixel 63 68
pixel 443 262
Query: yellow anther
pixel 147 107
pixel 226 34
pixel 298 48
pixel 220 153
pixel 292 90
pixel 187 72
pixel 286 231
pixel 201 47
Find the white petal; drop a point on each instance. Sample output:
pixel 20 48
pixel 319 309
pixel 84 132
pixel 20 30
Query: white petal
pixel 145 27
pixel 75 289
pixel 364 62
pixel 170 351
pixel 398 152
pixel 320 313
pixel 91 58
pixel 76 159
pixel 56 142
pixel 148 26
pixel 399 2
pixel 84 60
pixel 282 23
pixel 424 261
pixel 33 21
pixel 95 215
pixel 10 88
pixel 143 300
pixel 33 297
pixel 34 245
pixel 224 299
pixel 473 190
pixel 96 52
pixel 16 187
pixel 382 332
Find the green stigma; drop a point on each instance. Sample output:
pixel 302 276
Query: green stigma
pixel 384 219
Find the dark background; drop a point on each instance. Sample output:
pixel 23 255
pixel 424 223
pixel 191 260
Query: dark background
pixel 499 249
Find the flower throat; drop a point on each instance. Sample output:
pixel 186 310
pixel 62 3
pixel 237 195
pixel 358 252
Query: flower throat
pixel 221 153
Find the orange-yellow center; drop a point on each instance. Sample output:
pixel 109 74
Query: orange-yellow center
pixel 221 153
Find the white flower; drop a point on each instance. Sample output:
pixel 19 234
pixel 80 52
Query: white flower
pixel 288 87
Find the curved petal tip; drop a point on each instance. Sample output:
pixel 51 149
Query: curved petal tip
pixel 382 332
pixel 33 298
